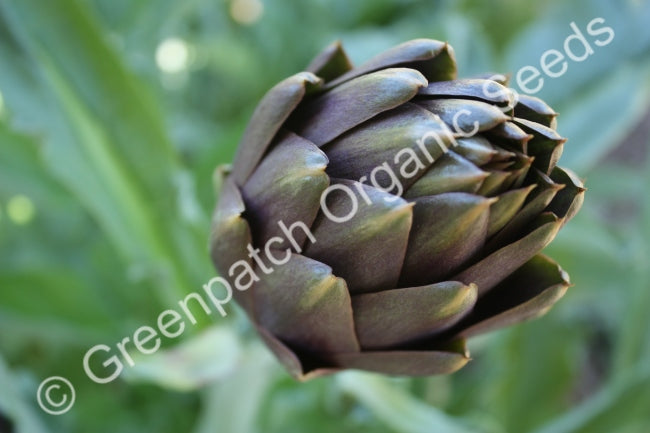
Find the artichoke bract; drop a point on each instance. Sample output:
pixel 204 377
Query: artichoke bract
pixel 375 217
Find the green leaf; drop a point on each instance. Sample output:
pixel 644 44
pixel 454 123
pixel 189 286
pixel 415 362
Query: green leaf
pixel 104 137
pixel 232 405
pixel 619 100
pixel 619 403
pixel 609 88
pixel 633 343
pixel 195 363
pixel 14 403
pixel 395 407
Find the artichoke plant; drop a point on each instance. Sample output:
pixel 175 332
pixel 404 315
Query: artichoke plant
pixel 376 216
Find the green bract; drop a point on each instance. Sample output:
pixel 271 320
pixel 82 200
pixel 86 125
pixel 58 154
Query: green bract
pixel 414 205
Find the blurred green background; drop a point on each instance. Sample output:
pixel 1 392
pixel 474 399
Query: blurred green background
pixel 113 115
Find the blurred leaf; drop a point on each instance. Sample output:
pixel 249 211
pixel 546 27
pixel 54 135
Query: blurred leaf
pixel 110 148
pixel 205 358
pixel 53 303
pixel 601 98
pixel 618 404
pixel 397 408
pixel 14 404
pixel 612 180
pixel 232 405
pixel 595 257
pixel 317 406
pixel 628 19
pixel 511 15
pixel 616 104
pixel 521 370
pixel 22 171
pixel 633 341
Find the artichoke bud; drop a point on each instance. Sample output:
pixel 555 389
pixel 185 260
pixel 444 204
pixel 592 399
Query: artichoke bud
pixel 376 216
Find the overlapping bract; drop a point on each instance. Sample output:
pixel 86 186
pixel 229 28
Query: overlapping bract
pixel 398 287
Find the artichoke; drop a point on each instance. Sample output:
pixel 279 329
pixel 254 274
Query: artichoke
pixel 375 217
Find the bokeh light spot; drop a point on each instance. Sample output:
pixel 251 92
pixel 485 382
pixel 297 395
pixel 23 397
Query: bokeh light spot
pixel 20 210
pixel 246 11
pixel 172 55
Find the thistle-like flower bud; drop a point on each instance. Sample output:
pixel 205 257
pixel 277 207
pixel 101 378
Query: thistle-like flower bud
pixel 375 217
